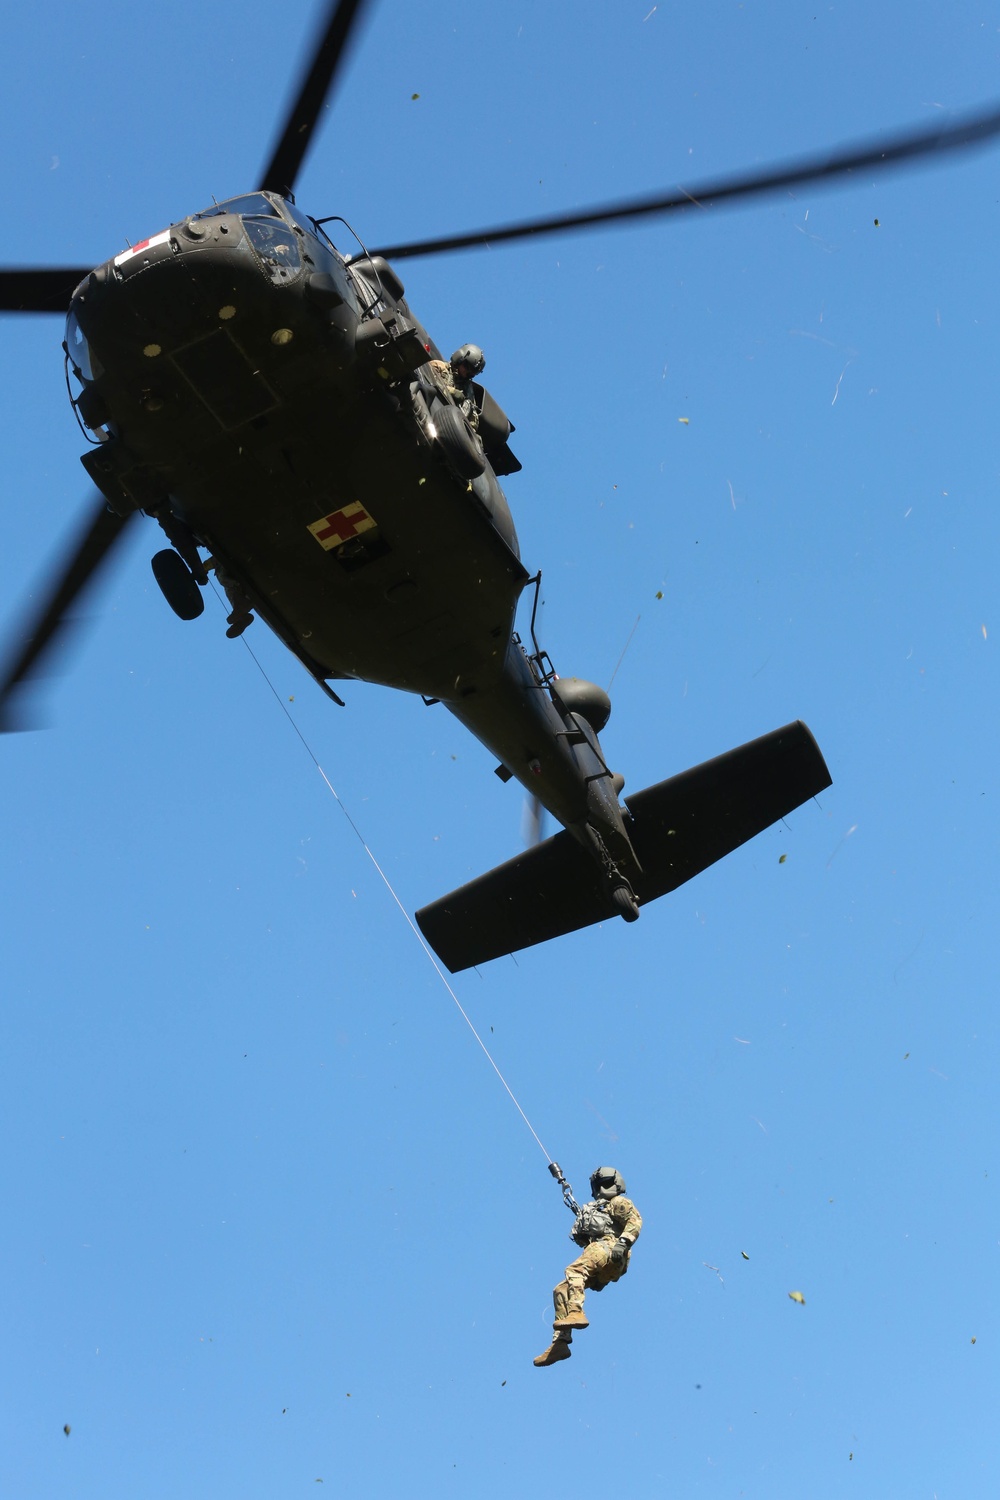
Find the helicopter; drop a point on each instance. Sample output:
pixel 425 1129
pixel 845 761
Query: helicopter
pixel 277 406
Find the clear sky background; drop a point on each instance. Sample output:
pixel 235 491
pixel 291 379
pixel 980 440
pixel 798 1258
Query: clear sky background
pixel 269 1218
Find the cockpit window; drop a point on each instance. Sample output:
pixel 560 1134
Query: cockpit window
pixel 251 203
pixel 297 217
pixel 276 246
pixel 78 349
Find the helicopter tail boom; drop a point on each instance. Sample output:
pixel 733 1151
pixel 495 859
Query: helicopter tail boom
pixel 678 828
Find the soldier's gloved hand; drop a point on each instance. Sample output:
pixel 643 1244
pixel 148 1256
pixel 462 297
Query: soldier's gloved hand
pixel 619 1252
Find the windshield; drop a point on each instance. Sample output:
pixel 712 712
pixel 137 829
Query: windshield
pixel 78 350
pixel 251 203
pixel 276 245
pixel 297 217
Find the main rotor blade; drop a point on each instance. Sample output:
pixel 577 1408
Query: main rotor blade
pixel 93 548
pixel 974 130
pixel 330 49
pixel 39 289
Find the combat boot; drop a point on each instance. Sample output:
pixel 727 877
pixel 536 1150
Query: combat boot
pixel 557 1350
pixel 575 1318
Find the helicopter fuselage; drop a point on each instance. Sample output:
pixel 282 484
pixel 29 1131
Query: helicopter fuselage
pixel 281 408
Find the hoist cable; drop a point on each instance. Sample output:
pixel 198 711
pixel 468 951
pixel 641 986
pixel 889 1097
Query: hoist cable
pixel 388 885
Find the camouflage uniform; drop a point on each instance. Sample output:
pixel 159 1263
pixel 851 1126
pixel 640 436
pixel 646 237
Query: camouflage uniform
pixel 460 390
pixel 595 1268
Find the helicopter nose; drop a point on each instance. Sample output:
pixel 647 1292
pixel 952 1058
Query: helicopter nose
pixel 141 256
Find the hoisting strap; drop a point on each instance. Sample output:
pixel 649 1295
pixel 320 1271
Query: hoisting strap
pixel 409 921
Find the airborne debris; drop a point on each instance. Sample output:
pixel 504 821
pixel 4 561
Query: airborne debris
pixel 853 829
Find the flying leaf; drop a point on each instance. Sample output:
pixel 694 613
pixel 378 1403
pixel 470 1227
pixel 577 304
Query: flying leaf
pixel 744 1255
pixel 685 420
pixel 798 1297
pixel 782 858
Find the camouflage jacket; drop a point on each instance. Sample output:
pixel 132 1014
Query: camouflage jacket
pixel 625 1217
pixel 625 1220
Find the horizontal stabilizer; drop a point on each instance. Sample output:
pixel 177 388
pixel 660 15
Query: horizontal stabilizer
pixel 681 826
pixel 678 828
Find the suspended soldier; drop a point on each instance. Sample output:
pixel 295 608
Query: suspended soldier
pixel 606 1228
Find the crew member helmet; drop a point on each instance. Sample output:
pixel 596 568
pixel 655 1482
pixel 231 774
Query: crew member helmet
pixel 468 361
pixel 606 1183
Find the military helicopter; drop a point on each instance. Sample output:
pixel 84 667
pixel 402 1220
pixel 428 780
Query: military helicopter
pixel 282 414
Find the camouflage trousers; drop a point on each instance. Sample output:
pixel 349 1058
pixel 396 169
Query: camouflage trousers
pixel 594 1269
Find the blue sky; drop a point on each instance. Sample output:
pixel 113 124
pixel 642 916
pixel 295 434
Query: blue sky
pixel 269 1217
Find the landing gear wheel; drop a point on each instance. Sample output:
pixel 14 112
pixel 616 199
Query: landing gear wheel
pixel 177 584
pixel 457 441
pixel 625 904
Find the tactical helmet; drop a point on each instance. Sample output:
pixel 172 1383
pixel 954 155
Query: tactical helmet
pixel 606 1183
pixel 472 357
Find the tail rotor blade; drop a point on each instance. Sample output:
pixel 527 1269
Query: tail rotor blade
pixel 532 822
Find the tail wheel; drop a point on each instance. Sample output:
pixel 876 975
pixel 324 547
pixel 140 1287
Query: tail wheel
pixel 177 584
pixel 624 901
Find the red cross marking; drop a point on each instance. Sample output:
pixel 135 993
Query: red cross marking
pixel 341 526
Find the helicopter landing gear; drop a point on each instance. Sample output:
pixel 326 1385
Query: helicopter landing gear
pixel 625 902
pixel 177 584
pixel 457 441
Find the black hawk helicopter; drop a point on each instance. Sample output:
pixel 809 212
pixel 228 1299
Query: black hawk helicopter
pixel 284 416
